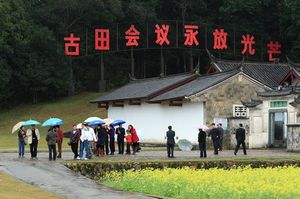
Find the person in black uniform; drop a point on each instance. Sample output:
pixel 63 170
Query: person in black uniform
pixel 170 142
pixel 202 143
pixel 120 131
pixel 240 136
pixel 215 136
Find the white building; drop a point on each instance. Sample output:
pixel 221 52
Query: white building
pixel 186 101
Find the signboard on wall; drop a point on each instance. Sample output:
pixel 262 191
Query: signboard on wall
pixel 240 111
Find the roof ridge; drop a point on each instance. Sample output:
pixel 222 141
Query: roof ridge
pixel 155 78
pixel 252 62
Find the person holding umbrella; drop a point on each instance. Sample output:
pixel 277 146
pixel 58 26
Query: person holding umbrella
pixel 101 140
pixel 86 135
pixel 33 135
pixel 74 139
pixel 51 139
pixel 21 138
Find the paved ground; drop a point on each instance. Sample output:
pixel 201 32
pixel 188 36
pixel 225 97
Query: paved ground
pixel 54 177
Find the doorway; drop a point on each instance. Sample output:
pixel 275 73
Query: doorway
pixel 278 128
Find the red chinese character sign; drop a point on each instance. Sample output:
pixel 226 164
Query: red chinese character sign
pixel 72 44
pixel 171 35
pixel 162 34
pixel 220 39
pixel 132 35
pixel 273 48
pixel 248 42
pixel 102 41
pixel 190 35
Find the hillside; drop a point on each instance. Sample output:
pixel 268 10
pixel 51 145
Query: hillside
pixel 72 110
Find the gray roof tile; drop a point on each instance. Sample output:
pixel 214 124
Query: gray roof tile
pixel 269 74
pixel 195 86
pixel 143 88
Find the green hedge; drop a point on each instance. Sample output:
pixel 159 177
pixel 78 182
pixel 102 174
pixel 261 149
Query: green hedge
pixel 96 170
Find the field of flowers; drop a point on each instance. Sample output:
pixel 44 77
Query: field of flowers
pixel 278 182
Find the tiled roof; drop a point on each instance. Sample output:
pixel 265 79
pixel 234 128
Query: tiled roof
pixel 269 74
pixel 282 91
pixel 143 88
pixel 195 86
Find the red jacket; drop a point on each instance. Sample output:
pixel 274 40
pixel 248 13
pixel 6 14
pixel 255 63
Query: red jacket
pixel 60 135
pixel 135 138
pixel 128 138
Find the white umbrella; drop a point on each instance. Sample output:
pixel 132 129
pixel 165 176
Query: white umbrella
pixel 79 126
pixel 17 126
pixel 108 121
pixel 92 119
pixel 203 127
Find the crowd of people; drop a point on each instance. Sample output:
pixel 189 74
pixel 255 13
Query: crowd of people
pixel 100 140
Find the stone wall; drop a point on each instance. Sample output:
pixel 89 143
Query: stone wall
pixel 220 99
pixel 293 137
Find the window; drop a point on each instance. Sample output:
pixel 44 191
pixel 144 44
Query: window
pixel 279 104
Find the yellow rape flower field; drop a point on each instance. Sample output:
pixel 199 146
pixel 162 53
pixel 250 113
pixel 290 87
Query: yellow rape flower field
pixel 278 182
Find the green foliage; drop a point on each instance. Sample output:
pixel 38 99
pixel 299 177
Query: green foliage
pixel 97 169
pixel 33 66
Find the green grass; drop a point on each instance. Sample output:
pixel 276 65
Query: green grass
pixel 13 189
pixel 72 110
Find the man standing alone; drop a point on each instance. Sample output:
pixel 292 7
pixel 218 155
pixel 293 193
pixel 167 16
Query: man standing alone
pixel 170 142
pixel 240 136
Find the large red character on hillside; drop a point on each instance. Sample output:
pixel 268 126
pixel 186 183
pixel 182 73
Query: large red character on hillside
pixel 273 48
pixel 102 39
pixel 72 44
pixel 220 39
pixel 162 34
pixel 132 35
pixel 248 42
pixel 190 35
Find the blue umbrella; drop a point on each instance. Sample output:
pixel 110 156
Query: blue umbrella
pixel 96 123
pixel 117 122
pixel 31 122
pixel 53 122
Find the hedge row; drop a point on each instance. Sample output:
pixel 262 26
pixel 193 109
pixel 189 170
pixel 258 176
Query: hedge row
pixel 96 170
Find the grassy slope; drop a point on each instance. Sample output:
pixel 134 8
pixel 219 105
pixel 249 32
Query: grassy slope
pixel 72 110
pixel 13 189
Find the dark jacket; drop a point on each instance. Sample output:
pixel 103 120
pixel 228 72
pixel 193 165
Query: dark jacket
pixel 202 136
pixel 75 136
pixel 51 137
pixel 121 133
pixel 112 133
pixel 214 133
pixel 221 131
pixel 170 137
pixel 101 136
pixel 240 134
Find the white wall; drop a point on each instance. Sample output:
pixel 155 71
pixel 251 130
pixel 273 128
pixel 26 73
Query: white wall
pixel 152 120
